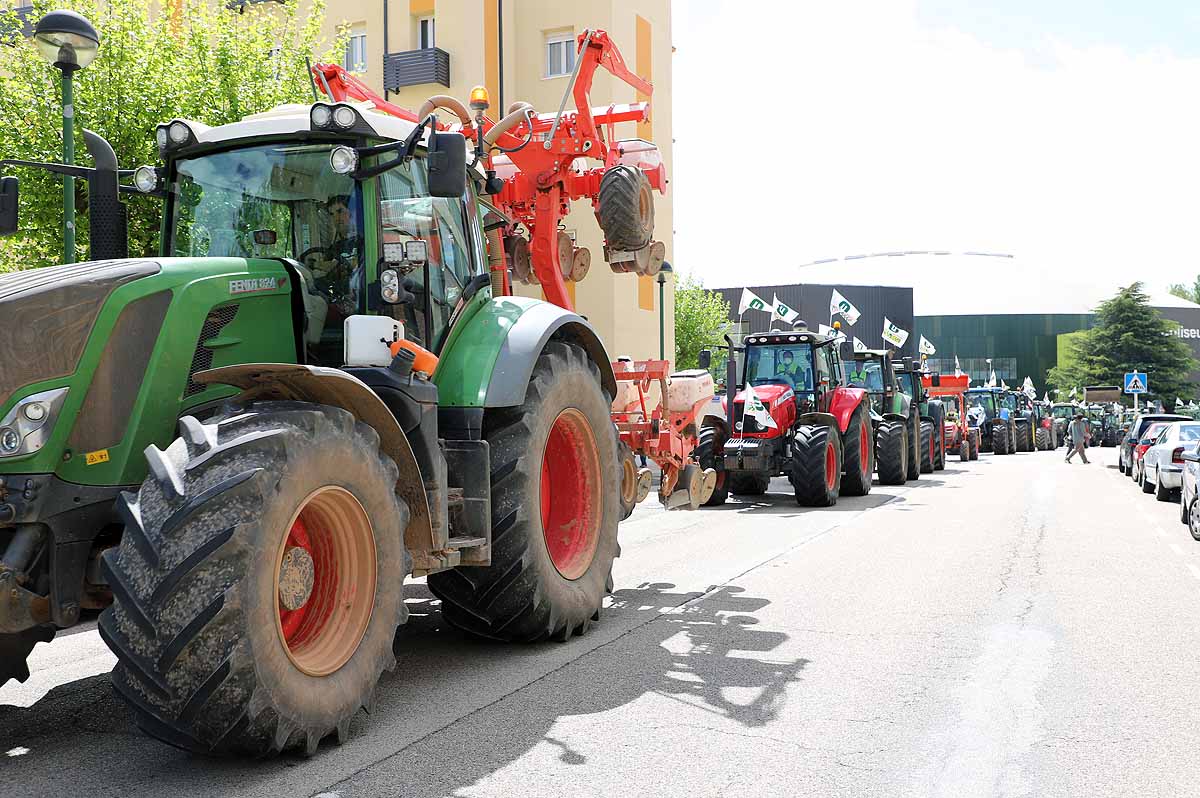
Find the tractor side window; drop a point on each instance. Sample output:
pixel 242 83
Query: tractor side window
pixel 409 213
pixel 824 367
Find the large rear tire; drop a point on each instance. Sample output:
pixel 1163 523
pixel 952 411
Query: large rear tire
pixel 913 432
pixel 710 454
pixel 626 208
pixel 928 444
pixel 858 454
pixel 554 510
pixel 816 470
pixel 1042 438
pixel 891 452
pixel 258 584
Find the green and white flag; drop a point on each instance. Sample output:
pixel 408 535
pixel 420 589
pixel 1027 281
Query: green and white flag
pixel 859 346
pixel 839 304
pixel 926 348
pixel 756 409
pixel 893 334
pixel 837 335
pixel 782 311
pixel 751 301
pixel 957 368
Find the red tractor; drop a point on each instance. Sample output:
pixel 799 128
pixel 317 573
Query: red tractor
pixel 793 416
pixel 961 436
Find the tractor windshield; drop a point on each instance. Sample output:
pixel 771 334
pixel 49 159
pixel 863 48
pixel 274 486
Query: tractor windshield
pixel 864 374
pixel 985 400
pixel 780 364
pixel 1063 411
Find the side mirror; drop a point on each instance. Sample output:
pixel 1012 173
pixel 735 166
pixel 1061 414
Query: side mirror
pixel 704 359
pixel 8 206
pixel 447 165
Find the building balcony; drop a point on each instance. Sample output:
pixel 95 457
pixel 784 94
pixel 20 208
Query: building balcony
pixel 25 20
pixel 414 67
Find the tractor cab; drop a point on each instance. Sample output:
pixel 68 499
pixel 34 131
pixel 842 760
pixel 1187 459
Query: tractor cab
pixel 873 370
pixel 800 365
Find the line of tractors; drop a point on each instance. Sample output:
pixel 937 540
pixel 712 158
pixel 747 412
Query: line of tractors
pixel 831 421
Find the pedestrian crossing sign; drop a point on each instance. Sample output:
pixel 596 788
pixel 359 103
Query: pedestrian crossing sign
pixel 1136 382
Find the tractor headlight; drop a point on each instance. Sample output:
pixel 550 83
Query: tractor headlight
pixel 389 286
pixel 345 117
pixel 321 116
pixel 160 137
pixel 178 133
pixel 10 441
pixel 145 179
pixel 27 427
pixel 343 160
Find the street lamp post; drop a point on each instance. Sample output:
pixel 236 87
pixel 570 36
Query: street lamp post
pixel 662 309
pixel 68 42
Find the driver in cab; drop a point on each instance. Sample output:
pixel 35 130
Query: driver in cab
pixel 795 373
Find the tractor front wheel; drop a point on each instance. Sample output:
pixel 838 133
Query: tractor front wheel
pixel 710 453
pixel 258 585
pixel 554 510
pixel 858 454
pixel 974 444
pixel 999 439
pixel 891 452
pixel 913 433
pixel 1023 444
pixel 1041 438
pixel 816 470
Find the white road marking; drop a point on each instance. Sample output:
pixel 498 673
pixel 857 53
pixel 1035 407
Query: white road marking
pixel 1175 548
pixel 1195 571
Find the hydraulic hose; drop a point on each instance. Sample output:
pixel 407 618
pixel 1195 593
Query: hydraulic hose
pixel 517 112
pixel 497 264
pixel 450 104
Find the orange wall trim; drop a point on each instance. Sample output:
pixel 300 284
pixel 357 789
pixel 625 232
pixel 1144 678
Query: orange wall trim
pixel 420 8
pixel 645 70
pixel 491 54
pixel 646 292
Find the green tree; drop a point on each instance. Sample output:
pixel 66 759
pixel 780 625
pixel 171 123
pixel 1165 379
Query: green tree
pixel 1190 293
pixel 701 321
pixel 213 62
pixel 1129 336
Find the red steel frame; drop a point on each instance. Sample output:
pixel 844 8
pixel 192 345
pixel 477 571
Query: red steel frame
pixel 539 194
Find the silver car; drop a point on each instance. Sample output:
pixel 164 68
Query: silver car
pixel 1162 464
pixel 1189 494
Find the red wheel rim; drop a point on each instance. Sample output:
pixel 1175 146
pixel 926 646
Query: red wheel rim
pixel 331 535
pixel 864 448
pixel 571 497
pixel 830 466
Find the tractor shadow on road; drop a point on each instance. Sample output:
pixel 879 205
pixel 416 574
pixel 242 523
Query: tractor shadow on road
pixel 492 704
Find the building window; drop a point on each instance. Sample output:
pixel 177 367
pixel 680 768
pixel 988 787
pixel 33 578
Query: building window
pixel 356 52
pixel 425 37
pixel 560 54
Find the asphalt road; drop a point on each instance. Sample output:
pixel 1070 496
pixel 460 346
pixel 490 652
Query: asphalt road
pixel 1013 626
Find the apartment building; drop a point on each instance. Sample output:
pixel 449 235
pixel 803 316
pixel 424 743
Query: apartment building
pixel 525 50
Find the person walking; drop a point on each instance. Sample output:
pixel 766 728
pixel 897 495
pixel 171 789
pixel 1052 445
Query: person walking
pixel 1078 433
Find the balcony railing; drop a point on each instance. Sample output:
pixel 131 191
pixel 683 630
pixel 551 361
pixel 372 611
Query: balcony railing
pixel 414 67
pixel 25 21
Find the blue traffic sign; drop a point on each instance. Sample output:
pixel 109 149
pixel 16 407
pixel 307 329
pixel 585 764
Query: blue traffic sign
pixel 1136 382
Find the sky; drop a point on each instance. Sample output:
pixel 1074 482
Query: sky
pixel 1063 132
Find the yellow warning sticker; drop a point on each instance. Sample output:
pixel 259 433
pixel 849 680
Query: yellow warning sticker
pixel 94 458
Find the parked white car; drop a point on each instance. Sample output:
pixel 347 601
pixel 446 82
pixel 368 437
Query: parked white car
pixel 1162 465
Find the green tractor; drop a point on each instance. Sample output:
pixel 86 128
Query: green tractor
pixel 894 416
pixel 240 449
pixel 992 410
pixel 932 416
